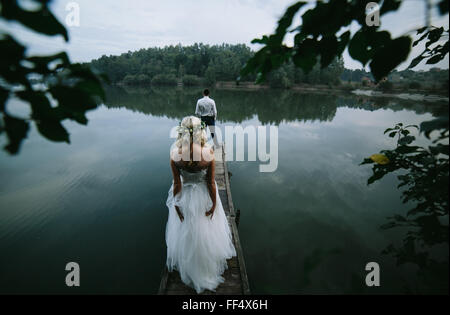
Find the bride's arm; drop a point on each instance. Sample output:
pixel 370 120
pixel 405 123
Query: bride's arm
pixel 176 186
pixel 212 186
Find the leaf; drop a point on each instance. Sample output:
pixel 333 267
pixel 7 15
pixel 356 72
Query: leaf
pixel 436 124
pixel 416 61
pixel 305 56
pixel 366 161
pixel 416 42
pixel 328 49
pixel 435 59
pixel 443 7
pixel 286 21
pixel 390 56
pixel 46 117
pixel 263 40
pixel 421 30
pixel 40 105
pixel 434 35
pixel 41 20
pixel 92 88
pixel 406 140
pixel 380 159
pixel 390 5
pixel 439 149
pixel 42 62
pixel 358 48
pixel 47 59
pixel 405 132
pixel 53 130
pixel 404 149
pixel 412 126
pixel 366 42
pixel 4 94
pixel 10 50
pixel 376 176
pixel 343 41
pixel 11 54
pixel 16 130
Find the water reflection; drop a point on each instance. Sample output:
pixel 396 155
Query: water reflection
pixel 269 106
pixel 314 222
pixel 336 246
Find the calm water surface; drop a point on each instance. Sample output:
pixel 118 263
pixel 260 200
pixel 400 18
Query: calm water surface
pixel 309 227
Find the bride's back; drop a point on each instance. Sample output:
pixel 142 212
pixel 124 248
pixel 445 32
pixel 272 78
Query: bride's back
pixel 194 159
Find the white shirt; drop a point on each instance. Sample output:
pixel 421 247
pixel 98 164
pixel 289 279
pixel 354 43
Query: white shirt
pixel 206 107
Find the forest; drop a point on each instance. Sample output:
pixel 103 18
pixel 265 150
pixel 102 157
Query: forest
pixel 201 64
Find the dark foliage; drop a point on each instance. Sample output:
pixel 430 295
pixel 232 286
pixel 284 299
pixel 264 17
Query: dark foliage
pixel 319 39
pixel 54 88
pixel 423 177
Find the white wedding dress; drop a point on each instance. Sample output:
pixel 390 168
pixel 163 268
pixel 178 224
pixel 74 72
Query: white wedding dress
pixel 199 246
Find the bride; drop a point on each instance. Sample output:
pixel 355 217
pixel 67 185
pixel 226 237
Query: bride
pixel 198 237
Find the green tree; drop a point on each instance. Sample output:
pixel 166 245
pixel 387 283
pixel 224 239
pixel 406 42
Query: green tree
pixel 279 79
pixel 223 61
pixel 318 41
pixel 181 71
pixel 164 79
pixel 210 76
pixel 129 79
pixel 191 80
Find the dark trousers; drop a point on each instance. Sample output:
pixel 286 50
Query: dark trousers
pixel 209 121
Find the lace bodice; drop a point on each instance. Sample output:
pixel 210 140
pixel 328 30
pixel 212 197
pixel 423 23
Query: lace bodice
pixel 190 177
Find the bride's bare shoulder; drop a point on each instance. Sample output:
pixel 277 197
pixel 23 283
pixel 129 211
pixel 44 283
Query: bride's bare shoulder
pixel 208 153
pixel 175 154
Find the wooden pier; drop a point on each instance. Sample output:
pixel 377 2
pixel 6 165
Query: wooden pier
pixel 236 281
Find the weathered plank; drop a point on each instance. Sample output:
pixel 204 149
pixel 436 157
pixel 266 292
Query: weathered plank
pixel 236 281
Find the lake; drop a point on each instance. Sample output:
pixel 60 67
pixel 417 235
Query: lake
pixel 310 227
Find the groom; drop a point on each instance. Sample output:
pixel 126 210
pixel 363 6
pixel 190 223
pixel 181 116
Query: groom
pixel 206 109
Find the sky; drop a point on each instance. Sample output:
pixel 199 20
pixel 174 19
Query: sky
pixel 112 27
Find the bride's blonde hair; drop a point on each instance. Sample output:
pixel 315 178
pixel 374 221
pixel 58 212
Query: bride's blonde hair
pixel 191 126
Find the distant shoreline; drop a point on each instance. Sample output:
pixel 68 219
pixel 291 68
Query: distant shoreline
pixel 405 96
pixel 417 95
pixel 349 88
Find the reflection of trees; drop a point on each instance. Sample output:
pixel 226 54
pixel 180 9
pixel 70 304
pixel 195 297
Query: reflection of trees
pixel 270 106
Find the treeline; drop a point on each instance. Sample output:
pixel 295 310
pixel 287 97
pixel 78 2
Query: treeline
pixel 193 65
pixel 201 64
pixel 288 75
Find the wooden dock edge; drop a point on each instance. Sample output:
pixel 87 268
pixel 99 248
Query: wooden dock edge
pixel 227 183
pixel 163 283
pixel 238 247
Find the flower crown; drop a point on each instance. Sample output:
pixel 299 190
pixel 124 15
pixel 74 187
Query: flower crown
pixel 183 129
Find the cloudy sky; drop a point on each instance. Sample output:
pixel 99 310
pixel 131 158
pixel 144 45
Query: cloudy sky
pixel 111 27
